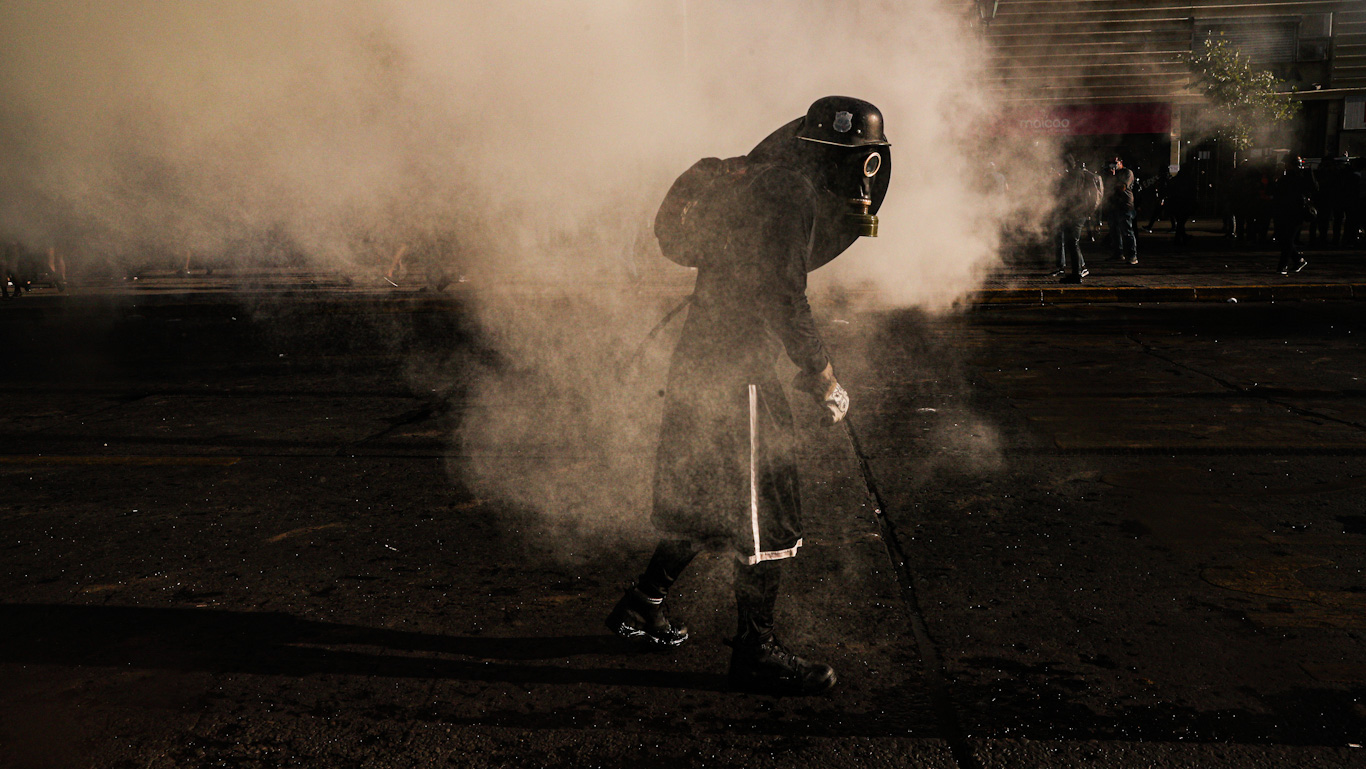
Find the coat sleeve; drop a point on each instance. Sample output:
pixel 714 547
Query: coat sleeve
pixel 786 211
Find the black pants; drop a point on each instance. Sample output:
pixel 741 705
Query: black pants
pixel 1068 244
pixel 1287 232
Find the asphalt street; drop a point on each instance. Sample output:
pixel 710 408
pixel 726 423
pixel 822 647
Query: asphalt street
pixel 239 531
pixel 1134 531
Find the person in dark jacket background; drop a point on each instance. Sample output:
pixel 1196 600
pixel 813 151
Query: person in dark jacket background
pixel 726 474
pixel 1346 186
pixel 1181 202
pixel 1292 192
pixel 1243 190
pixel 1076 200
pixel 1122 212
pixel 1157 197
pixel 1325 199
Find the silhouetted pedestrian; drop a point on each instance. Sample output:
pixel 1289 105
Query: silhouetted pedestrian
pixel 1324 199
pixel 1122 212
pixel 1077 198
pixel 1242 198
pixel 1345 183
pixel 1157 196
pixel 1292 195
pixel 1181 201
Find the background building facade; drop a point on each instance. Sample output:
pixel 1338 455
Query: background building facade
pixel 1116 76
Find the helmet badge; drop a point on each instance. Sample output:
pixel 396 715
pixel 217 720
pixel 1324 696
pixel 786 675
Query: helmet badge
pixel 844 121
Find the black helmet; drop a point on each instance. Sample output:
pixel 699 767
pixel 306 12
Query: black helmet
pixel 843 121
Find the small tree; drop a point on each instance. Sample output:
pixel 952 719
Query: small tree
pixel 1244 97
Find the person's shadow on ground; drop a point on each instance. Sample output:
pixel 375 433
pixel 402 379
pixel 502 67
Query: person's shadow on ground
pixel 271 643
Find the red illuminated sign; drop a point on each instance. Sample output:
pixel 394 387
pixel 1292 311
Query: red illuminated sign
pixel 1087 120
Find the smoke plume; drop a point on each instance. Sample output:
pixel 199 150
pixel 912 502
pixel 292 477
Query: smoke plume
pixel 523 143
pixel 533 140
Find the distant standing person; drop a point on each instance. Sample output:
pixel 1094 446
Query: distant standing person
pixel 1091 224
pixel 1122 212
pixel 1291 192
pixel 1325 199
pixel 1181 202
pixel 996 183
pixel 1159 198
pixel 56 267
pixel 1346 188
pixel 1077 200
pixel 1243 198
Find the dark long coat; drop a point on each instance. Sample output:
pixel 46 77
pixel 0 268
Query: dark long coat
pixel 725 469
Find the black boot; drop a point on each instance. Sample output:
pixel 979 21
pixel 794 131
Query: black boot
pixel 766 666
pixel 640 613
pixel 758 661
pixel 637 617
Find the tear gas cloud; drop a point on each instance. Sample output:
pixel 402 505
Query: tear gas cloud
pixel 520 141
pixel 533 139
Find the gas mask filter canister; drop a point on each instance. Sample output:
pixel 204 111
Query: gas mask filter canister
pixel 859 215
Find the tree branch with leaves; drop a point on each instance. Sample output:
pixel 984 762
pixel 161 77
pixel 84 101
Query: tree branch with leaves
pixel 1244 98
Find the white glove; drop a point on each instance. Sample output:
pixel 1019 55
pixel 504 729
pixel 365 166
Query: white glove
pixel 827 393
pixel 836 403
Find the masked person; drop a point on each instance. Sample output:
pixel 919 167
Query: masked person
pixel 725 473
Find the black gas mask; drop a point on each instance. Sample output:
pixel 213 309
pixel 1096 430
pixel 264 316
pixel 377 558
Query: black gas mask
pixel 852 174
